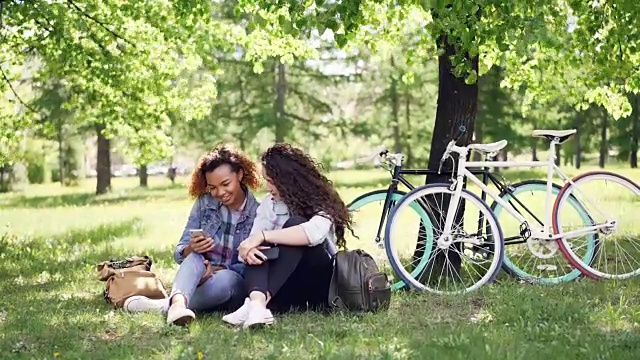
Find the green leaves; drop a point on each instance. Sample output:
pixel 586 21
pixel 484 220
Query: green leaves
pixel 611 99
pixel 471 78
pixel 600 40
pixel 141 67
pixel 128 66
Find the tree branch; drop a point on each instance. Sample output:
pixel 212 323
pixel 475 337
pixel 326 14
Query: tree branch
pixel 294 116
pixel 49 29
pixel 15 93
pixel 620 49
pixel 232 61
pixel 316 73
pixel 1 9
pixel 315 103
pixel 105 52
pixel 103 25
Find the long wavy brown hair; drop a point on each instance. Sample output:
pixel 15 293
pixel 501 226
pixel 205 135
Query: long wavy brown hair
pixel 303 187
pixel 220 155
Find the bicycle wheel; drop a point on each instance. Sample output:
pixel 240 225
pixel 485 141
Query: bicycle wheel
pixel 537 260
pixel 617 227
pixel 468 243
pixel 365 228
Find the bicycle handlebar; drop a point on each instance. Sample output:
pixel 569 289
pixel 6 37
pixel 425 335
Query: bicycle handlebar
pixel 451 146
pixel 447 151
pixel 381 150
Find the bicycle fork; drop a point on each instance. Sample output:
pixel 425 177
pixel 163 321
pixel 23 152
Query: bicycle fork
pixel 386 209
pixel 446 238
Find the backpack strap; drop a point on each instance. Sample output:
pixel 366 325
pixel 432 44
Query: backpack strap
pixel 334 300
pixel 337 302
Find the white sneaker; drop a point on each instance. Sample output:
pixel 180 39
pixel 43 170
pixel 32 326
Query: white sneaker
pixel 139 303
pixel 179 315
pixel 239 316
pixel 258 315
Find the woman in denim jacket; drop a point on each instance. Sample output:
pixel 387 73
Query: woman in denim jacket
pixel 210 276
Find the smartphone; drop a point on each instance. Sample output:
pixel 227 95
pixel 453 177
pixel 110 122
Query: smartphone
pixel 196 232
pixel 271 253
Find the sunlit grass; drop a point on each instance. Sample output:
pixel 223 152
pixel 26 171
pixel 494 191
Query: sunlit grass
pixel 51 305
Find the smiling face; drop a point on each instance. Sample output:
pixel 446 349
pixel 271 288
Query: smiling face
pixel 224 184
pixel 271 188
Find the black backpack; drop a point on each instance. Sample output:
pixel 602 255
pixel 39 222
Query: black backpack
pixel 357 284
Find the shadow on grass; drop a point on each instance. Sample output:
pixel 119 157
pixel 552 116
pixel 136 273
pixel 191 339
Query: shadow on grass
pixel 50 292
pixel 89 198
pixel 28 256
pixel 51 304
pixel 376 181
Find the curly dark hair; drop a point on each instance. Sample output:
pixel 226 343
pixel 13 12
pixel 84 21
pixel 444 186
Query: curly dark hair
pixel 220 155
pixel 303 187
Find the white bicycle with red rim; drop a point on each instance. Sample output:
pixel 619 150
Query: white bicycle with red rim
pixel 606 204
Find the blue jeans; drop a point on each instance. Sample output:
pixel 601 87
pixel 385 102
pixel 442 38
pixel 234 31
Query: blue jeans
pixel 225 290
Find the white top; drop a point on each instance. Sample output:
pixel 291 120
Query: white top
pixel 272 214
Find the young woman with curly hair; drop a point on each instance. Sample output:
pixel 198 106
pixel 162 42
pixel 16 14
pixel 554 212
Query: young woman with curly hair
pixel 210 273
pixel 303 217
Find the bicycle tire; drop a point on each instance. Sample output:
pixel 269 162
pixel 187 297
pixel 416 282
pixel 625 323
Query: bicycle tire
pixel 420 192
pixel 377 195
pixel 565 192
pixel 510 267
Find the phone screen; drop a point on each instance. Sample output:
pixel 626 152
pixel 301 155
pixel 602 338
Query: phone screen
pixel 196 232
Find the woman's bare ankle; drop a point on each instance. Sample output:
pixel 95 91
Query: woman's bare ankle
pixel 259 297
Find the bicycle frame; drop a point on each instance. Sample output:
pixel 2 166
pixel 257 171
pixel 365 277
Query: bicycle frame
pixel 537 231
pixel 397 176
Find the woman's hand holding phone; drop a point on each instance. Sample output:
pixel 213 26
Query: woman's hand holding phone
pixel 200 243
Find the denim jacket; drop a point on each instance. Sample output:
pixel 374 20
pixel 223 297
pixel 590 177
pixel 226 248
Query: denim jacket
pixel 207 214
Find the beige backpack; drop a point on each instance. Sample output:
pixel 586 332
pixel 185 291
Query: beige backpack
pixel 129 277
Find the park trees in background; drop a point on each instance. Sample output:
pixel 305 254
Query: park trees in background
pixel 159 75
pixel 542 47
pixel 124 70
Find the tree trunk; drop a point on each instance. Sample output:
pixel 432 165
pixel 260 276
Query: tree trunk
pixel 568 160
pixel 279 106
pixel 455 111
pixel 604 147
pixel 60 140
pixel 635 119
pixel 103 166
pixel 503 155
pixel 534 149
pixel 6 178
pixel 242 141
pixel 144 177
pixel 172 173
pixel 455 117
pixel 395 108
pixel 478 134
pixel 558 148
pixel 407 110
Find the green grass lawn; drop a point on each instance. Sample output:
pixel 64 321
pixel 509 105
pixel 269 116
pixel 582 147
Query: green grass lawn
pixel 51 305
